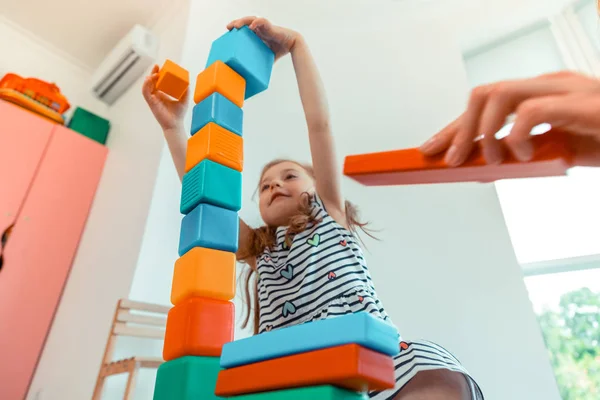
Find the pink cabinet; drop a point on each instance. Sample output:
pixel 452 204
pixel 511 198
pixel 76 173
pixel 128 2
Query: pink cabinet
pixel 48 179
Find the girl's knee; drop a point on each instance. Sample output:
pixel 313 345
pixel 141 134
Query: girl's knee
pixel 437 384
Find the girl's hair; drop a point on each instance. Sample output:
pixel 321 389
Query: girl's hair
pixel 264 237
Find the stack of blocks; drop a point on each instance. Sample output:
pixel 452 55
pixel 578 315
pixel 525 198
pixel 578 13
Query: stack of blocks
pixel 335 359
pixel 340 358
pixel 202 318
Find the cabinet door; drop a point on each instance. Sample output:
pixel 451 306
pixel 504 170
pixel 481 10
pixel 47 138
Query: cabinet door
pixel 23 140
pixel 40 252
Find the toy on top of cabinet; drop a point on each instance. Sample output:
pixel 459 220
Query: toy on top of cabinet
pixel 35 95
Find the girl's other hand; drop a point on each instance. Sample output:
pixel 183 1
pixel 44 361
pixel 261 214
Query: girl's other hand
pixel 566 100
pixel 280 40
pixel 168 112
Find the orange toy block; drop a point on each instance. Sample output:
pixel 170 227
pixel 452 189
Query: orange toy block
pixel 203 272
pixel 349 366
pixel 552 157
pixel 198 327
pixel 219 77
pixel 217 144
pixel 173 79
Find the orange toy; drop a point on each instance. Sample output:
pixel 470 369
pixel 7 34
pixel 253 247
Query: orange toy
pixel 45 93
pixel 349 366
pixel 219 77
pixel 173 79
pixel 35 95
pixel 204 272
pixel 217 144
pixel 552 157
pixel 198 327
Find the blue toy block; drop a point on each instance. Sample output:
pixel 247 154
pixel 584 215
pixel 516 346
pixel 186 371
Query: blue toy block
pixel 247 55
pixel 361 328
pixel 187 378
pixel 213 183
pixel 220 110
pixel 211 227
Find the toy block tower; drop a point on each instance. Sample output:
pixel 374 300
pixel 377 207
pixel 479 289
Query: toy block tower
pixel 202 320
pixel 340 358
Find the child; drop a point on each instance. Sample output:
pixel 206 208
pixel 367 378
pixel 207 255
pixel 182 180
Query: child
pixel 308 263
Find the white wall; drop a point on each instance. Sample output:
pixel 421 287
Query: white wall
pixel 444 268
pixel 107 255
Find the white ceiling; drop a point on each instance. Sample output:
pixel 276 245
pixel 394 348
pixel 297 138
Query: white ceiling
pixel 85 30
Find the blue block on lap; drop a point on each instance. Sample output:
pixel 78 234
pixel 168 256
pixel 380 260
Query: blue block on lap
pixel 360 328
pixel 211 227
pixel 213 183
pixel 220 110
pixel 243 51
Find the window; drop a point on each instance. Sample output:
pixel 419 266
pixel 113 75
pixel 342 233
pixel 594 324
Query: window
pixel 554 223
pixel 588 17
pixel 568 308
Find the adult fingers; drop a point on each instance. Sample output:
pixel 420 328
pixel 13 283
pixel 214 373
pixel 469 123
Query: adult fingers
pixel 441 140
pixel 558 111
pixel 463 141
pixel 502 98
pixel 493 117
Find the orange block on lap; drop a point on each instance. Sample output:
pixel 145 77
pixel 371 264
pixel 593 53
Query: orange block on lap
pixel 219 77
pixel 203 272
pixel 173 79
pixel 198 327
pixel 217 144
pixel 552 157
pixel 349 366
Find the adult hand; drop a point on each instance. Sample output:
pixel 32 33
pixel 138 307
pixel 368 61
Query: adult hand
pixel 168 112
pixel 566 100
pixel 280 40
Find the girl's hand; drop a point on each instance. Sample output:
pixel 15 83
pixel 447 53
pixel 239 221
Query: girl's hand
pixel 168 112
pixel 565 100
pixel 280 40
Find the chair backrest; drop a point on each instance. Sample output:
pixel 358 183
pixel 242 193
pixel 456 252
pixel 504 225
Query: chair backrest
pixel 136 319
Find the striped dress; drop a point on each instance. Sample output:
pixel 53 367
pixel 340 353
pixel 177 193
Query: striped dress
pixel 323 274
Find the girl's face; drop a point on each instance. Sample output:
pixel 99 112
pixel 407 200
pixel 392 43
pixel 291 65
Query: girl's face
pixel 280 190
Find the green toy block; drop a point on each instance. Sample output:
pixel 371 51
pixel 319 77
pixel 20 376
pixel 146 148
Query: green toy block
pixel 90 125
pixel 325 392
pixel 212 183
pixel 187 378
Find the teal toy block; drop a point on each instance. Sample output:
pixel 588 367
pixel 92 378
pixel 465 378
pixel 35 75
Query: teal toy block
pixel 360 328
pixel 211 227
pixel 187 378
pixel 220 110
pixel 213 183
pixel 246 54
pixel 325 392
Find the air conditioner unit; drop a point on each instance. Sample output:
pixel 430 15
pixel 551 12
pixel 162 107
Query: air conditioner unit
pixel 125 63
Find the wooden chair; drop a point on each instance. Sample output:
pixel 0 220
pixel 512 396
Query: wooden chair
pixel 134 319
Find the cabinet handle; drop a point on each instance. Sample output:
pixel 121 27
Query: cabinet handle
pixel 3 240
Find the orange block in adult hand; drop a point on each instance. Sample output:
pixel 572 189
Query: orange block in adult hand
pixel 217 144
pixel 173 80
pixel 349 366
pixel 219 77
pixel 203 272
pixel 552 157
pixel 198 327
